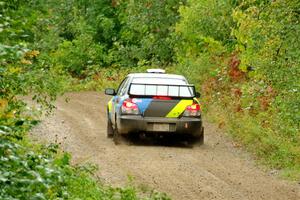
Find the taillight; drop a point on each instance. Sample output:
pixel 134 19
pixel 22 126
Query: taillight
pixel 193 110
pixel 130 108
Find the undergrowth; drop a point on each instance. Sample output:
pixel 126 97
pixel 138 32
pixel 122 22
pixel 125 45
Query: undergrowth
pixel 33 171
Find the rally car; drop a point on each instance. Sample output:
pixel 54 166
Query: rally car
pixel 154 103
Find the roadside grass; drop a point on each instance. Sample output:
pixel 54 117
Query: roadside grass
pixel 248 110
pixel 85 185
pixel 269 147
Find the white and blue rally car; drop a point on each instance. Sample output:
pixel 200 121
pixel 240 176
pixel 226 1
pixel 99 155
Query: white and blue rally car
pixel 154 103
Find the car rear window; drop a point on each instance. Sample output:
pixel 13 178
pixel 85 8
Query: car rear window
pixel 161 87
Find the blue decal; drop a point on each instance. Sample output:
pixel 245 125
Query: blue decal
pixel 143 104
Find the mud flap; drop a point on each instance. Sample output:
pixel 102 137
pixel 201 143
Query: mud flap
pixel 117 137
pixel 109 130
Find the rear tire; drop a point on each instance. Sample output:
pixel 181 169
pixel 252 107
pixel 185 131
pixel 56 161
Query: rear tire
pixel 110 130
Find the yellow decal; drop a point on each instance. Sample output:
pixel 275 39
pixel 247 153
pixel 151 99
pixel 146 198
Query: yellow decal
pixel 109 105
pixel 179 108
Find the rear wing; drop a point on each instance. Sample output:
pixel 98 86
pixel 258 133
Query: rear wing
pixel 176 91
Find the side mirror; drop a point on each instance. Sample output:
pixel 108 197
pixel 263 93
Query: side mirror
pixel 110 91
pixel 197 95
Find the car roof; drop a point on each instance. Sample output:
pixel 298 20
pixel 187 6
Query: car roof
pixel 156 75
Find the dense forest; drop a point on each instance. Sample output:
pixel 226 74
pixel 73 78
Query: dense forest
pixel 243 55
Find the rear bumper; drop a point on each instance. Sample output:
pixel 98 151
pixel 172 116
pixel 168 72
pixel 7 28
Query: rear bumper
pixel 185 125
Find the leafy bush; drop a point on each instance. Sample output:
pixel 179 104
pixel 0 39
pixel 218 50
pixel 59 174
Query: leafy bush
pixel 78 57
pixel 246 54
pixel 145 33
pixel 202 35
pixel 41 172
pixel 270 43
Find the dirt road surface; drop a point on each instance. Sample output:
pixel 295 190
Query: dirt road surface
pixel 216 170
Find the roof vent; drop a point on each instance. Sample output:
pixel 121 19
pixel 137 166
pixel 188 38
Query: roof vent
pixel 159 71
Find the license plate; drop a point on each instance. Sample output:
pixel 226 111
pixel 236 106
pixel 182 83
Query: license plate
pixel 161 127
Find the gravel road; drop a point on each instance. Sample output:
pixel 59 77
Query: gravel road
pixel 216 170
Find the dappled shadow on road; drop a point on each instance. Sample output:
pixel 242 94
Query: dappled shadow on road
pixel 178 141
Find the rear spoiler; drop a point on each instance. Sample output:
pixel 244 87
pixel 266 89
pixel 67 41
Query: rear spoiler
pixel 166 90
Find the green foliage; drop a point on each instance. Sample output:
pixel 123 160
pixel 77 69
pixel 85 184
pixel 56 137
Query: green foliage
pixel 43 44
pixel 27 175
pixel 20 71
pixel 128 33
pixel 246 54
pixel 79 57
pixel 42 172
pixel 268 39
pixel 202 35
pixel 145 34
pixel 209 18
